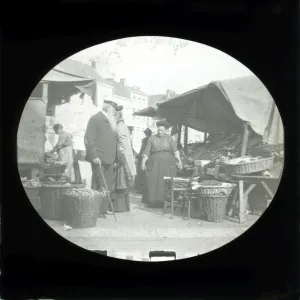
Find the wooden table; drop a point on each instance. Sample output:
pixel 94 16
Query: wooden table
pixel 243 195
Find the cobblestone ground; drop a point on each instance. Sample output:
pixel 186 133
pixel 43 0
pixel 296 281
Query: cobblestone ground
pixel 142 230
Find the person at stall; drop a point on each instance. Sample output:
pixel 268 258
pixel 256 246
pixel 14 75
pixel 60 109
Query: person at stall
pixel 65 151
pixel 159 160
pixel 140 181
pixel 100 141
pixel 125 168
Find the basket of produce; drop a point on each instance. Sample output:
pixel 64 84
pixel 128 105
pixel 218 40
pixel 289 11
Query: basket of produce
pixel 248 165
pixel 51 192
pixel 82 207
pixel 31 188
pixel 213 187
pixel 215 207
pixel 177 181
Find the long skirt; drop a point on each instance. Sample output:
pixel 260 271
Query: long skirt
pixel 66 155
pixel 159 165
pixel 140 179
pixel 121 200
pixel 122 184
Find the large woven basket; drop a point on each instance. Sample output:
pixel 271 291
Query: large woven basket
pixel 52 206
pixel 215 207
pixel 226 189
pixel 33 196
pixel 82 211
pixel 233 167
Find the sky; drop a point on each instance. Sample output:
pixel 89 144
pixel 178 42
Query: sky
pixel 155 67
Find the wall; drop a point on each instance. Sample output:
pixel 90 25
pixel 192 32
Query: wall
pixel 139 101
pixel 31 132
pixel 74 116
pixel 103 91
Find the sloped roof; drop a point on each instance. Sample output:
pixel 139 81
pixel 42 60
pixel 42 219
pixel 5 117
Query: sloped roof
pixel 80 69
pixel 119 89
pixel 55 75
pixel 147 112
pixel 154 99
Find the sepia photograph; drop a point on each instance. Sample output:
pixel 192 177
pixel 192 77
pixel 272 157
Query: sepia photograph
pixel 150 148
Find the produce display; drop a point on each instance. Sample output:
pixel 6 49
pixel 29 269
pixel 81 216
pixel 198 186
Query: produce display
pixel 84 193
pixel 82 207
pixel 212 183
pixel 51 159
pixel 249 165
pixel 213 188
pixel 244 160
pixel 34 183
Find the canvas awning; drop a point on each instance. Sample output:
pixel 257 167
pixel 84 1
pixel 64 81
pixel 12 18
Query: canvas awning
pixel 69 78
pixel 225 106
pixel 147 112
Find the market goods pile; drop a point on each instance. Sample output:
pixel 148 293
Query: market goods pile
pixel 214 148
pixel 211 183
pixel 213 187
pixel 84 193
pixel 51 159
pixel 30 182
pixel 245 160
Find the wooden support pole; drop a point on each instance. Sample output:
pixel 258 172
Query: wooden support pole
pixel 179 135
pixel 45 92
pixel 205 137
pixel 242 202
pixel 186 129
pixel 96 95
pixel 245 140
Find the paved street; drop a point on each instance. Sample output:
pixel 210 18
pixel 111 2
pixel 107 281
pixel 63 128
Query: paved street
pixel 142 230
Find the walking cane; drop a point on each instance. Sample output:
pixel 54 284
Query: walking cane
pixel 105 185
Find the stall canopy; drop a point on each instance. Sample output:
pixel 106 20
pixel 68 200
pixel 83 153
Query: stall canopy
pixel 225 106
pixel 148 112
pixel 69 78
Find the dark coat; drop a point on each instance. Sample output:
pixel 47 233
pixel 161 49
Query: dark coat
pixel 100 140
pixel 144 144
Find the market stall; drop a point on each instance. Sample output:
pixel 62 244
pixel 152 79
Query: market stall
pixel 240 116
pixel 42 174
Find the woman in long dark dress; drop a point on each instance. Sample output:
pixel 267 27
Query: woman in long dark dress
pixel 159 160
pixel 140 179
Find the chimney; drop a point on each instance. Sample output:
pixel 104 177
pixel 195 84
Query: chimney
pixel 94 64
pixel 110 79
pixel 122 81
pixel 170 94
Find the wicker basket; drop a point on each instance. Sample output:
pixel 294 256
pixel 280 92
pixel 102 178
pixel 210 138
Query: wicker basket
pixel 215 207
pixel 52 206
pixel 33 196
pixel 82 212
pixel 226 189
pixel 249 167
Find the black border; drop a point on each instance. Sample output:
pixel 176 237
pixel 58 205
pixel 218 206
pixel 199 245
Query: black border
pixel 37 263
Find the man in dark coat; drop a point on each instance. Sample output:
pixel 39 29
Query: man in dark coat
pixel 101 148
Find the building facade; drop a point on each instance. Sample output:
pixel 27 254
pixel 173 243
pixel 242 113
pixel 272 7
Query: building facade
pixel 139 101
